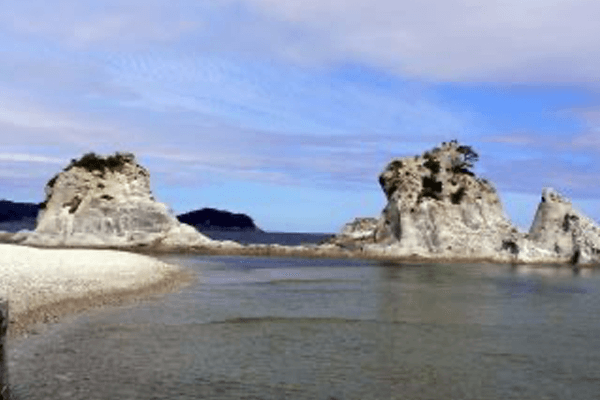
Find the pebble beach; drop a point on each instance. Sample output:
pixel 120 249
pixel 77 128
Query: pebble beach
pixel 42 285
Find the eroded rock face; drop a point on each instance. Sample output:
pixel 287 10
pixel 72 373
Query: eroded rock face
pixel 560 229
pixel 437 206
pixel 355 233
pixel 360 228
pixel 106 201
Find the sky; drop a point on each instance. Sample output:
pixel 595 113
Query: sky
pixel 288 110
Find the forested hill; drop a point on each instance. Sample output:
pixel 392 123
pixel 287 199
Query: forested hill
pixel 12 211
pixel 213 219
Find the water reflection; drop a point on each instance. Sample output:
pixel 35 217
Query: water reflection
pixel 430 293
pixel 552 271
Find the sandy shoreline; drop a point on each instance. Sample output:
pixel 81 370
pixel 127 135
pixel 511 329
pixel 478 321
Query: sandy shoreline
pixel 42 285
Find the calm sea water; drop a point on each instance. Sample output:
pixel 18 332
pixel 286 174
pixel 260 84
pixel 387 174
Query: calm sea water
pixel 283 238
pixel 285 328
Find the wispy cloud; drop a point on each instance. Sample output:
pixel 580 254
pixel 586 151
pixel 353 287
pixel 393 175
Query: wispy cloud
pixel 572 172
pixel 275 97
pixel 30 158
pixel 81 24
pixel 512 40
pixel 30 116
pixel 23 121
pixel 516 139
pixel 461 40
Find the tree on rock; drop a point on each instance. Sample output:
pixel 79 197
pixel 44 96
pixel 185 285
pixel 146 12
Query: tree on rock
pixel 466 160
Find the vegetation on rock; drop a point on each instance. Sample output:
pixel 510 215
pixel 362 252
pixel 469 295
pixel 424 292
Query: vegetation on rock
pixel 466 161
pixel 433 165
pixel 92 162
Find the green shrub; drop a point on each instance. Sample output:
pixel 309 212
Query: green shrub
pixel 469 156
pixel 466 160
pixel 433 165
pixel 396 164
pixel 92 162
pixel 52 181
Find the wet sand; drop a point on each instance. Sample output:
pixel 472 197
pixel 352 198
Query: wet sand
pixel 42 285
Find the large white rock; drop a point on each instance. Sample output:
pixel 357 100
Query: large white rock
pixel 563 231
pixel 437 207
pixel 106 201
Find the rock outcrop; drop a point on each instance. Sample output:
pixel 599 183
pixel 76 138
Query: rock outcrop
pixel 356 233
pixel 439 209
pixel 566 233
pixel 106 201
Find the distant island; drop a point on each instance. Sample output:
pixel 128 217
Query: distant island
pixel 208 219
pixel 15 216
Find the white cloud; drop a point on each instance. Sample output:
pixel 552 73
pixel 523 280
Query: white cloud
pixel 24 121
pixel 460 40
pixel 589 139
pixel 276 97
pixel 37 118
pixel 447 40
pixel 81 24
pixel 519 139
pixel 30 158
pixel 228 159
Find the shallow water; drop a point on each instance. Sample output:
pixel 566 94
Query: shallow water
pixel 282 238
pixel 284 328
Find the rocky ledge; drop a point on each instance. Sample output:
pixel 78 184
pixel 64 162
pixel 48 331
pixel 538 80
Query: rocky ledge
pixel 439 209
pixel 100 201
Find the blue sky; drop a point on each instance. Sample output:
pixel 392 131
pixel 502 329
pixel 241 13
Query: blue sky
pixel 288 110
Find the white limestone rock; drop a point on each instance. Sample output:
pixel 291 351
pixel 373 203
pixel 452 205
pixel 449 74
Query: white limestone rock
pixel 360 228
pixel 563 232
pixel 106 201
pixel 438 208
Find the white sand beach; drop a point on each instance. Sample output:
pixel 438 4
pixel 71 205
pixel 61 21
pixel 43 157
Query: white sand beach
pixel 43 284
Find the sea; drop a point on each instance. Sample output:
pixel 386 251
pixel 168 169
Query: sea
pixel 260 237
pixel 295 328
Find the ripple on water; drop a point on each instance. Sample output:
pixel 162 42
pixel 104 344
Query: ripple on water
pixel 322 330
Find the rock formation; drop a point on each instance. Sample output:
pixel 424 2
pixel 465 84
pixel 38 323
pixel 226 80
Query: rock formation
pixel 208 219
pixel 106 201
pixel 561 230
pixel 438 209
pixel 356 233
